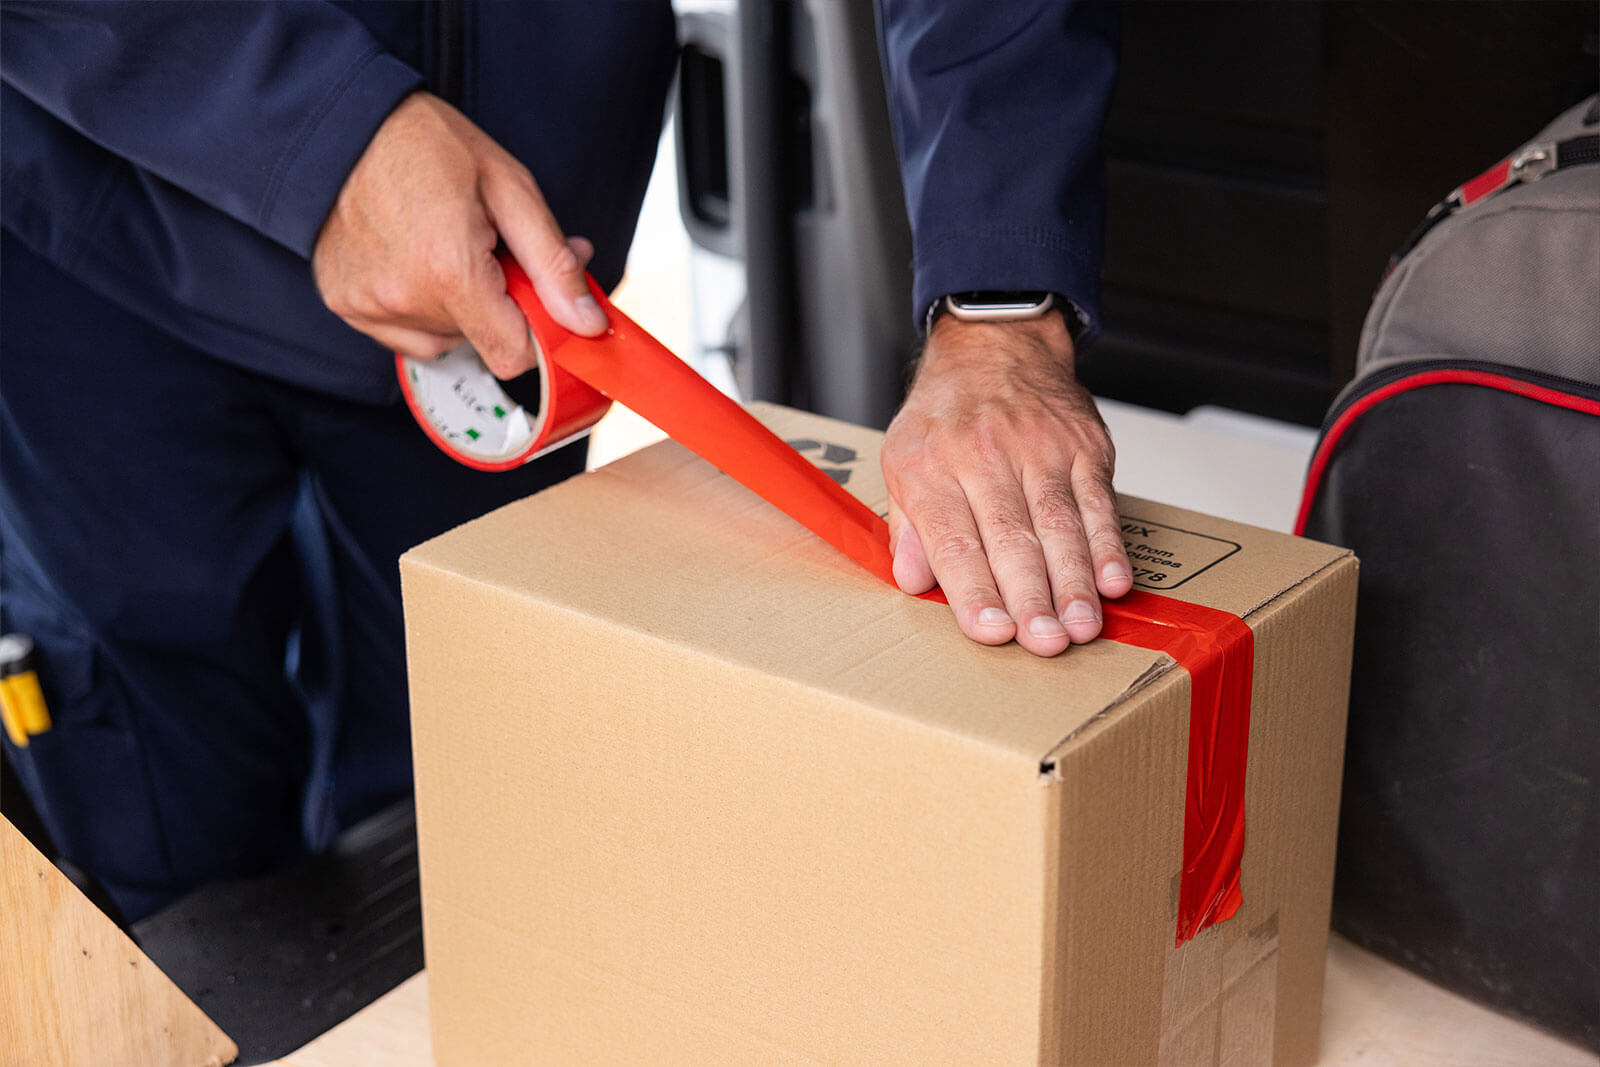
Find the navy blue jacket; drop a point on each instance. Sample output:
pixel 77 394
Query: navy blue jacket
pixel 180 159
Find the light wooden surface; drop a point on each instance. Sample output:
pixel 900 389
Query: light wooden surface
pixel 390 1032
pixel 74 991
pixel 1374 1015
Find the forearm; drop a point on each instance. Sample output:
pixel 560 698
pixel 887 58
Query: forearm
pixel 258 108
pixel 997 112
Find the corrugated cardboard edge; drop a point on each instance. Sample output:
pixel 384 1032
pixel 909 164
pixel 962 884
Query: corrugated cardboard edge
pixel 1049 762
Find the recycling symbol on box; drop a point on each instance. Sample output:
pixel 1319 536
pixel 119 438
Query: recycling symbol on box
pixel 830 454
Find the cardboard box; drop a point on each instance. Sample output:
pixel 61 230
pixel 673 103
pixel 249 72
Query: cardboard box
pixel 692 788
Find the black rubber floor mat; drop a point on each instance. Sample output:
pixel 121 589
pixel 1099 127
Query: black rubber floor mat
pixel 277 961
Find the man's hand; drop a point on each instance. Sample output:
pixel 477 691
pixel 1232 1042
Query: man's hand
pixel 999 475
pixel 407 255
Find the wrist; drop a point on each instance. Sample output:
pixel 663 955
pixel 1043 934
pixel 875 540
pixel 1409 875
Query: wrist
pixel 1042 341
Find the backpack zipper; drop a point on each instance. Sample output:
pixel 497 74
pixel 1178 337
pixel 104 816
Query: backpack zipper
pixel 1534 385
pixel 1389 375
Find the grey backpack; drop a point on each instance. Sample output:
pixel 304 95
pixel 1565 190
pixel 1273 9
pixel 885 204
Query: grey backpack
pixel 1463 467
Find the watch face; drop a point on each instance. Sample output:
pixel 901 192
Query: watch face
pixel 996 305
pixel 1000 301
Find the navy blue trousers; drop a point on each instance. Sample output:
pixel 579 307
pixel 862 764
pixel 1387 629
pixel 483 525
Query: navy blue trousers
pixel 206 559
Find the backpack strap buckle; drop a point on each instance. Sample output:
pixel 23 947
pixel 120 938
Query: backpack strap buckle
pixel 1533 162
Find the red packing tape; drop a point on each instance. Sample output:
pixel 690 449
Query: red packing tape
pixel 629 366
pixel 1218 650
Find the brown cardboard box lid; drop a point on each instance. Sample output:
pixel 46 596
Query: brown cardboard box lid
pixel 630 546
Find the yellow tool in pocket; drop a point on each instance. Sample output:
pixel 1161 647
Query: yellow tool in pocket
pixel 22 705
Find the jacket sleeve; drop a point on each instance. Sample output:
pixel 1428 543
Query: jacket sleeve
pixel 997 111
pixel 260 109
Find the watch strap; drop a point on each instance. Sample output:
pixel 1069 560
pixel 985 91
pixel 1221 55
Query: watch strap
pixel 1077 321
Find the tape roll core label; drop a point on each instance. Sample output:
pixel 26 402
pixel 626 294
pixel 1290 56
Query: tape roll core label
pixel 467 406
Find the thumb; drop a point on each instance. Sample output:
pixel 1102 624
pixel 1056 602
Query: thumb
pixel 912 572
pixel 552 263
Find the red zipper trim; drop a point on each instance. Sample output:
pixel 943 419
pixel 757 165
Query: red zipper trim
pixel 1504 383
pixel 1489 182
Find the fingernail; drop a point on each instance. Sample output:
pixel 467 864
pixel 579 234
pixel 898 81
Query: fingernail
pixel 1080 611
pixel 993 617
pixel 1113 571
pixel 1046 627
pixel 589 312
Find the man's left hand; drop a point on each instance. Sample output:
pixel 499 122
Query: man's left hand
pixel 999 474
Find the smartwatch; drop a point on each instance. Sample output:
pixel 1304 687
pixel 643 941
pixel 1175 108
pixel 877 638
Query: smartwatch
pixel 992 305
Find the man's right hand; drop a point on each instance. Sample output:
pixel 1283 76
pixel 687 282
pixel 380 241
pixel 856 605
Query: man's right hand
pixel 407 255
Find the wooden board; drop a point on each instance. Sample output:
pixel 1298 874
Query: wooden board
pixel 75 991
